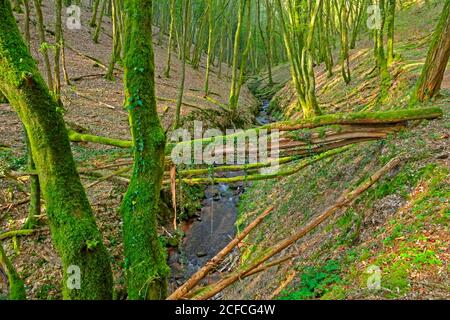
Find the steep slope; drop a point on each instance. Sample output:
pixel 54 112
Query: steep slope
pixel 398 229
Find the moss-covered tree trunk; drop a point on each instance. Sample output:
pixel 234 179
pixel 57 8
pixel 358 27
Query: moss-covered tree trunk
pixel 390 22
pixel 72 224
pixel 145 257
pixel 185 50
pixel 16 285
pixel 233 100
pixel 35 190
pixel 430 81
pixel 43 41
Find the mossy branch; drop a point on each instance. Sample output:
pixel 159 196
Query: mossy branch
pixel 82 137
pixel 357 118
pixel 385 117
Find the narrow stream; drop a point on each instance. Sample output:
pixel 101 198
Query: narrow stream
pixel 215 226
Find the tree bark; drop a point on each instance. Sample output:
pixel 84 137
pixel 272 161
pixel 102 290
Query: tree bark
pixel 72 224
pixel 146 266
pixel 430 81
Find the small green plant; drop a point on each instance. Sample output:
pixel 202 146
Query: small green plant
pixel 316 281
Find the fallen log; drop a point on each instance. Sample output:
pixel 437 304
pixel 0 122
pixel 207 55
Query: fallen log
pixel 358 118
pixel 361 118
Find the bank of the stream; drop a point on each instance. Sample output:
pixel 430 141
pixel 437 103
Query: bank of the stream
pixel 213 226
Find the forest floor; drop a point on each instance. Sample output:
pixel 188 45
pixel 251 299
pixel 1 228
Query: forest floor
pixel 398 229
pixel 94 105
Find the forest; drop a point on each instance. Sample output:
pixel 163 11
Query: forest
pixel 224 149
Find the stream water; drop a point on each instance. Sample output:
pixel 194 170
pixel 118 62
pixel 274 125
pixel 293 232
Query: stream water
pixel 206 235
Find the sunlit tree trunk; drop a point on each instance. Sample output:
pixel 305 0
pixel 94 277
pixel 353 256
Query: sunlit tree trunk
pixel 430 81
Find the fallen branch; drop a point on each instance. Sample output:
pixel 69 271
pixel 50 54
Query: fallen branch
pixel 343 201
pixel 93 100
pixel 109 176
pixel 83 137
pixel 15 233
pixel 215 261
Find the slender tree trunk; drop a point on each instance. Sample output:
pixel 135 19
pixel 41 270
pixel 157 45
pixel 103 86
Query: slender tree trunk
pixel 187 5
pixel 63 61
pixel 390 21
pixel 345 58
pixel 116 41
pixel 72 224
pixel 99 22
pixel 430 81
pixel 171 31
pixel 43 41
pixel 147 271
pixel 57 57
pixel 94 13
pixel 210 45
pixel 35 190
pixel 27 23
pixel 237 41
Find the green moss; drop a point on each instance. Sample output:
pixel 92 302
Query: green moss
pixel 145 256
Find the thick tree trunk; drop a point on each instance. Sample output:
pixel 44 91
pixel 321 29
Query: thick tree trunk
pixel 146 266
pixel 430 81
pixel 72 224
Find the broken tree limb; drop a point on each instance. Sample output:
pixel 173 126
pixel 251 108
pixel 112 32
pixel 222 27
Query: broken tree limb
pixel 215 261
pixel 82 137
pixel 15 233
pixel 343 201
